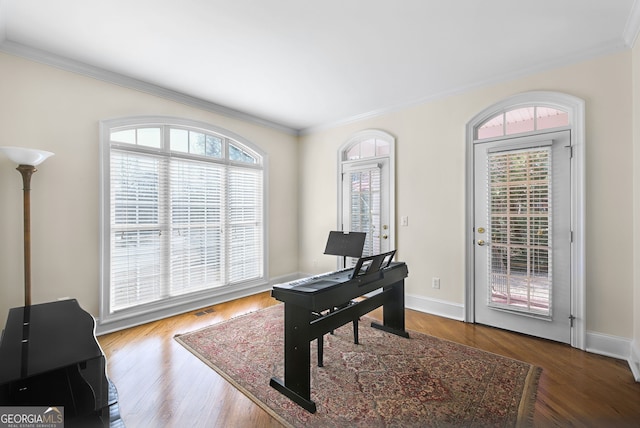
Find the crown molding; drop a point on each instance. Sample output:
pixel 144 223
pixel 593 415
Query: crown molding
pixel 47 58
pixel 609 48
pixel 632 28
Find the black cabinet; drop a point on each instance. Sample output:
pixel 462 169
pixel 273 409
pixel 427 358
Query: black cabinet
pixel 49 356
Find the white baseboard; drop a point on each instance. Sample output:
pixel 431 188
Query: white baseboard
pixel 616 347
pixel 634 360
pixel 438 307
pixel 608 345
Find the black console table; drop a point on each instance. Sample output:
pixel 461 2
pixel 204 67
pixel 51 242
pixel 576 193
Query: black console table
pixel 49 356
pixel 305 298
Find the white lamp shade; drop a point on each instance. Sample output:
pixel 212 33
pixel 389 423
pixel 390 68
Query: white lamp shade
pixel 24 156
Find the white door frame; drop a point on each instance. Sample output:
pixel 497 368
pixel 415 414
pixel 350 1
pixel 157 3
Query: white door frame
pixel 576 110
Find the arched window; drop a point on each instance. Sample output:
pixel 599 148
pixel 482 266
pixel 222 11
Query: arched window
pixel 183 214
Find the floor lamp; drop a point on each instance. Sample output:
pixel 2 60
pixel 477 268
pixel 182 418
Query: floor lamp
pixel 27 160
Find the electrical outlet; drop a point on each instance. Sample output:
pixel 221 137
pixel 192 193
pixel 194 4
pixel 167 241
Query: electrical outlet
pixel 435 283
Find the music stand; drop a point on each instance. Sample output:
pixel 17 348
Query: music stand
pixel 345 244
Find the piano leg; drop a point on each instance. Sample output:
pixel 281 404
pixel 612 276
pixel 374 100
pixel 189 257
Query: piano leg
pixel 393 310
pixel 355 331
pixel 321 351
pixel 297 357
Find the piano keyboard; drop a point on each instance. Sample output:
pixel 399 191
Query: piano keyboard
pixel 316 277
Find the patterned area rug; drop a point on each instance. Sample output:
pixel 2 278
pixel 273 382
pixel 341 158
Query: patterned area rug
pixel 385 381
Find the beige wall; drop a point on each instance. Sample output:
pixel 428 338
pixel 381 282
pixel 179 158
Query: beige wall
pixel 47 108
pixel 55 110
pixel 430 171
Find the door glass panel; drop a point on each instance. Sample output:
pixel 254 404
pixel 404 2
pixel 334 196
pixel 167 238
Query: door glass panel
pixel 368 148
pixel 520 229
pixel 365 207
pixel 548 117
pixel 492 128
pixel 519 120
pixel 382 148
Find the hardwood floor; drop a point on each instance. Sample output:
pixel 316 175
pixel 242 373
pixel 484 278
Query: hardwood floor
pixel 161 384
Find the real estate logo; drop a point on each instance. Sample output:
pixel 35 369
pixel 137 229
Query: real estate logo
pixel 31 417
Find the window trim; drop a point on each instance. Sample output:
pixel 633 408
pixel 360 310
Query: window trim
pixel 157 310
pixel 357 138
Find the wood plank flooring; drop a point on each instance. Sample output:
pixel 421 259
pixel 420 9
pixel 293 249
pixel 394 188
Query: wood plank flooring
pixel 161 384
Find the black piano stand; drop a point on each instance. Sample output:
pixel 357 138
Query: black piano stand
pixel 302 325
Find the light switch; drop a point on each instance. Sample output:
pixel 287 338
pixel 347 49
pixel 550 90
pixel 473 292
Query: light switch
pixel 404 221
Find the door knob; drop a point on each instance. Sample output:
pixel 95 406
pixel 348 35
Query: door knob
pixel 385 236
pixel 481 242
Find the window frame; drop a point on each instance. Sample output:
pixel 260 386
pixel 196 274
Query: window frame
pixel 112 321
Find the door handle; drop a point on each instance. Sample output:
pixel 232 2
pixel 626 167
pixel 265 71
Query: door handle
pixel 385 236
pixel 481 242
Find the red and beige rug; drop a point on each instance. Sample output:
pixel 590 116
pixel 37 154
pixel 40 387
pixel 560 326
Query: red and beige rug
pixel 385 381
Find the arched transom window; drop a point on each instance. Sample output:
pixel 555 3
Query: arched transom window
pixel 367 147
pixel 521 120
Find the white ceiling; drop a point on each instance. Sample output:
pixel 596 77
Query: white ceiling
pixel 309 64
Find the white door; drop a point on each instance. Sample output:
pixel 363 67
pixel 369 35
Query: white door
pixel 522 235
pixel 365 203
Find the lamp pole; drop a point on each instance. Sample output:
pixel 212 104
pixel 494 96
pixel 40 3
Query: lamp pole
pixel 27 171
pixel 27 160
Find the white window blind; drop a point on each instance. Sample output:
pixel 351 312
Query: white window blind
pixel 365 207
pixel 136 228
pixel 196 239
pixel 245 224
pixel 520 262
pixel 186 215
